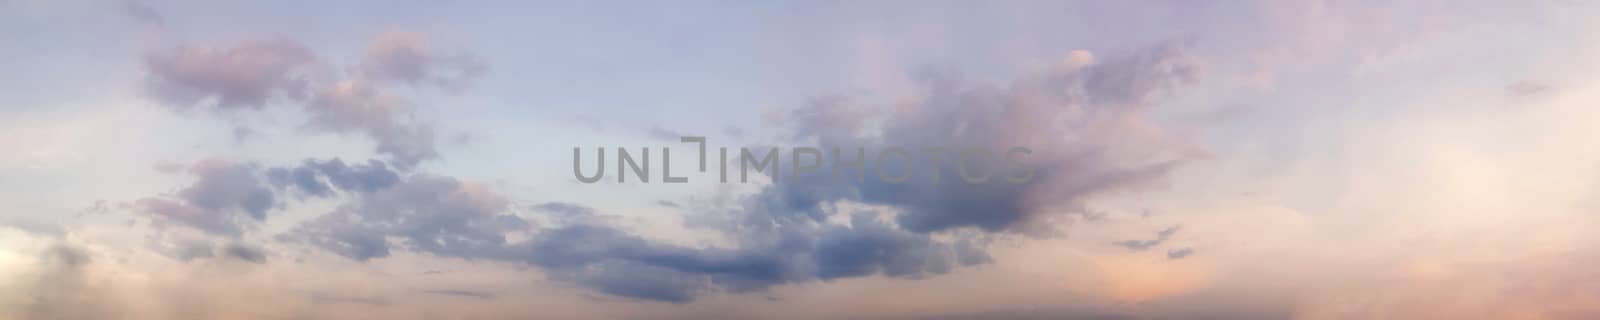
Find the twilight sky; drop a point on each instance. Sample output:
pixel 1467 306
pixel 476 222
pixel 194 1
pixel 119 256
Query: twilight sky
pixel 414 159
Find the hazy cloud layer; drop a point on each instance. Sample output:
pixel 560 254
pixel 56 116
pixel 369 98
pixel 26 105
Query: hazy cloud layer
pixel 1242 160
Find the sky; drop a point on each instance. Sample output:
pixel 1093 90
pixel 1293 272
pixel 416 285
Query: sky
pixel 425 160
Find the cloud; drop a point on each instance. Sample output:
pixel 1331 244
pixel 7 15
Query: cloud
pixel 622 264
pixel 254 75
pixel 242 134
pixel 223 199
pixel 1088 129
pixel 227 196
pixel 1141 245
pixel 782 235
pixel 869 247
pixel 1521 89
pixel 1030 315
pixel 434 214
pixel 406 56
pixel 1092 127
pixel 1180 253
pixel 564 208
pixel 326 298
pixel 566 212
pixel 657 132
pixel 61 288
pixel 67 256
pixel 245 253
pixel 1088 126
pixel 34 227
pixel 461 293
pixel 249 75
pixel 320 178
pixel 185 249
pixel 144 13
pixel 356 105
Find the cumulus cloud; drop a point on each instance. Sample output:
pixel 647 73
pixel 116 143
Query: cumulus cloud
pixel 225 197
pixel 228 197
pixel 249 75
pixel 1089 121
pixel 320 178
pixel 254 75
pixel 362 107
pixel 1089 130
pixel 1088 125
pixel 407 57
pixel 434 214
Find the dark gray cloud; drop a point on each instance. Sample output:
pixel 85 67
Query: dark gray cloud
pixel 320 178
pixel 618 263
pixel 635 280
pixel 228 197
pixel 1140 245
pixel 869 247
pixel 584 250
pixel 433 214
pixel 225 197
pixel 445 217
pixel 249 75
pixel 245 253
